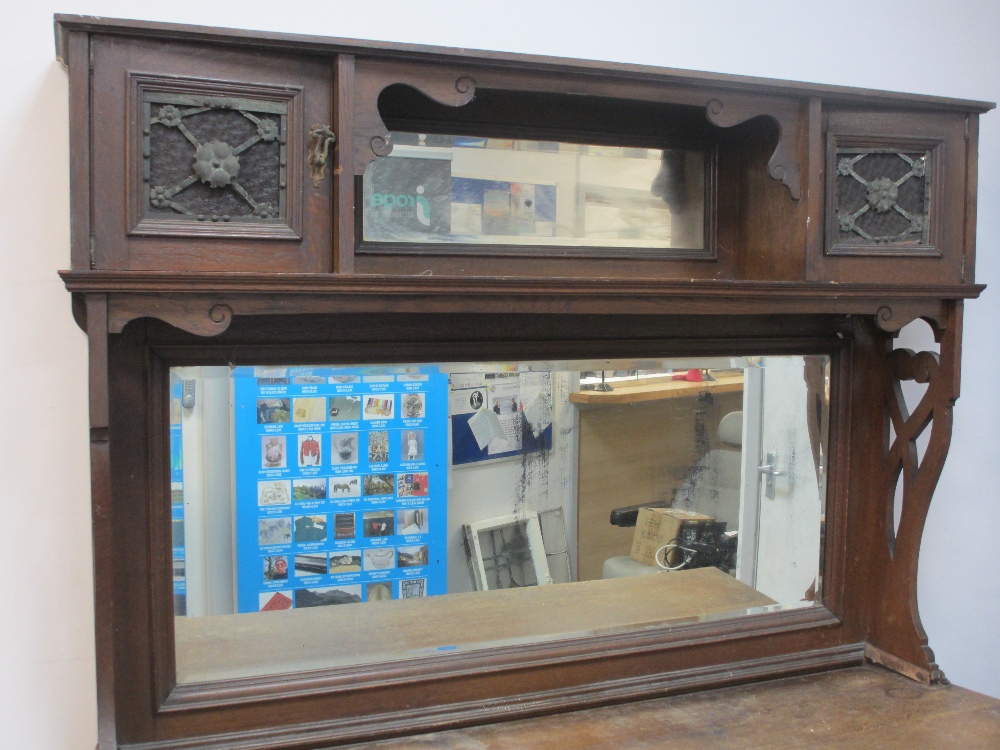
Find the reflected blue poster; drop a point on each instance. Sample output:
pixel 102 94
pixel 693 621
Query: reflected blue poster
pixel 177 498
pixel 341 485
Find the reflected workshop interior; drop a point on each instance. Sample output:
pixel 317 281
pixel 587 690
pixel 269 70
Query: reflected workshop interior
pixel 463 505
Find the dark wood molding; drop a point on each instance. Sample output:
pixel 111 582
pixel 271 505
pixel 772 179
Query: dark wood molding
pixel 78 57
pixel 310 44
pixel 107 282
pixel 343 731
pixel 102 518
pixel 343 161
pixel 651 643
pixel 205 303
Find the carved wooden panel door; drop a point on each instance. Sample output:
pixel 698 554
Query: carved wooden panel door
pixel 210 160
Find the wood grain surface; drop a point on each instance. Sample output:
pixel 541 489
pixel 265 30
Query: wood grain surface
pixel 295 640
pixel 862 707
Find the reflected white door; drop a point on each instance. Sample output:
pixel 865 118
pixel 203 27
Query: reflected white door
pixel 782 500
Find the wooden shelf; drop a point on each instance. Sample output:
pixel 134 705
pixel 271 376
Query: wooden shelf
pixel 228 646
pixel 657 389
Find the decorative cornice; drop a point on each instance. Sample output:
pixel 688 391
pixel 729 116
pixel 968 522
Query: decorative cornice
pixel 306 43
pixel 161 282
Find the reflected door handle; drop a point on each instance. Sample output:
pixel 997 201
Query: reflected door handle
pixel 770 471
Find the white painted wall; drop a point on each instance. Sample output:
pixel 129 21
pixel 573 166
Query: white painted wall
pixel 926 46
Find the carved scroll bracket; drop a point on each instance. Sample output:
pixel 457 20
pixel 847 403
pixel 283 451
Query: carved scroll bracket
pixel 725 112
pixel 195 316
pixel 893 318
pixel 447 86
pixel 897 602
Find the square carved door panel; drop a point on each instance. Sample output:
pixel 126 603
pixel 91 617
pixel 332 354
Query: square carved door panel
pixel 214 159
pixel 213 172
pixel 895 198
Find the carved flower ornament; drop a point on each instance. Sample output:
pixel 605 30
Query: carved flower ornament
pixel 215 163
pixel 170 116
pixel 882 194
pixel 267 130
pixel 160 196
pixel 265 211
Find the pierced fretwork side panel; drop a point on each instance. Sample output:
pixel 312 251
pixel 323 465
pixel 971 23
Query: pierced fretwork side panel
pixel 897 555
pixel 214 159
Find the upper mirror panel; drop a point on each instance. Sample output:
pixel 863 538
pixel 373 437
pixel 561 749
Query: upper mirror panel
pixel 470 190
pixel 328 516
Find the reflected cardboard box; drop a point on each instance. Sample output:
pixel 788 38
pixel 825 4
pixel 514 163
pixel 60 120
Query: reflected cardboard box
pixel 656 527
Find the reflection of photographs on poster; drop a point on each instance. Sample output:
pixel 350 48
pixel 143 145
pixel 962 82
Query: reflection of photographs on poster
pixel 342 379
pixel 175 411
pixel 266 382
pixel 275 568
pixel 378 592
pixel 310 409
pixel 413 405
pixel 345 408
pixel 177 493
pixel 380 558
pixel 413 557
pixel 310 564
pixel 412 445
pixel 378 447
pixel 273 492
pixel 502 403
pixel 380 523
pixel 274 531
pixel 177 532
pixel 272 452
pixel 179 569
pixel 412 521
pixel 308 380
pixel 379 484
pixel 380 406
pixel 413 377
pixel 344 487
pixel 411 588
pixel 476 400
pixel 180 605
pixel 327 596
pixel 345 561
pixel 274 601
pixel 273 411
pixel 309 489
pixel 344 448
pixel 412 485
pixel 309 450
pixel 310 529
pixel 343 526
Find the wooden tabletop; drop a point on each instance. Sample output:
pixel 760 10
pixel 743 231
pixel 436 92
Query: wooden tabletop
pixel 861 707
pixel 656 389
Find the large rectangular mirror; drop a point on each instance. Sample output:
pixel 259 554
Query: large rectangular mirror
pixel 343 515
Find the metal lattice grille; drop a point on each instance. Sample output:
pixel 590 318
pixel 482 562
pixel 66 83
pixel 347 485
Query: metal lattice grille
pixel 883 196
pixel 214 159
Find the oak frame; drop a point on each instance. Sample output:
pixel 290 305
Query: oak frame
pixel 770 291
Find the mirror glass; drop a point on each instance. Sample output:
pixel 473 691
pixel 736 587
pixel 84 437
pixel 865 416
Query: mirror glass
pixel 475 190
pixel 343 515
